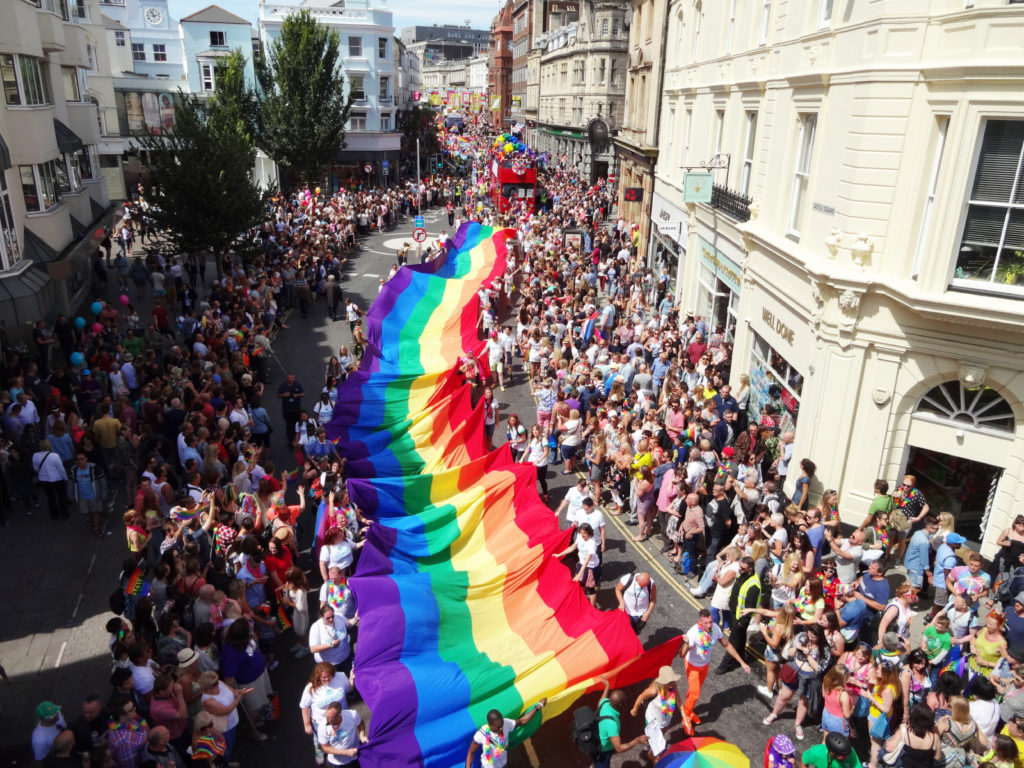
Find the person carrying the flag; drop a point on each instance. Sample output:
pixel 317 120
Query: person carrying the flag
pixel 491 739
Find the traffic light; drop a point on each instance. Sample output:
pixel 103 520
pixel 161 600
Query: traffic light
pixel 439 163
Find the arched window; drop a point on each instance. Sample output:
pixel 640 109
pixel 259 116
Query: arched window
pixel 974 408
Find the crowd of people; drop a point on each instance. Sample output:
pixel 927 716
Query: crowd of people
pixel 636 399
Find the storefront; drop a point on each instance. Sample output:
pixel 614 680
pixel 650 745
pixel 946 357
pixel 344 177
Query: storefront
pixel 718 289
pixel 667 252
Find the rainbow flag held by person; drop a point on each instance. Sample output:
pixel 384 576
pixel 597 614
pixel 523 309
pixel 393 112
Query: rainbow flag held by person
pixel 462 606
pixel 292 478
pixel 182 513
pixel 136 586
pixel 282 618
pixel 588 327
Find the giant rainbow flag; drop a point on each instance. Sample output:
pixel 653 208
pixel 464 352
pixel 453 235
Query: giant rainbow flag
pixel 462 606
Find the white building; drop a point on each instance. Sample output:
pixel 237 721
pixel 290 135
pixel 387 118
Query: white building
pixel 875 294
pixel 410 79
pixel 52 194
pixel 367 51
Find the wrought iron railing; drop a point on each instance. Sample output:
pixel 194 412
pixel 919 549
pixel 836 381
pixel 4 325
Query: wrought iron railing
pixel 732 203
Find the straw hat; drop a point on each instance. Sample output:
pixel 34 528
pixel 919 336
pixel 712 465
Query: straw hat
pixel 666 676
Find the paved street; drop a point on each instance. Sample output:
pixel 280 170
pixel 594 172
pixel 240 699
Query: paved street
pixel 54 647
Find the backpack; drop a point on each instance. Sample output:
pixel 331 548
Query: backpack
pixel 585 731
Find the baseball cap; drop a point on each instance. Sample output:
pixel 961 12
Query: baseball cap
pixel 955 538
pixel 46 710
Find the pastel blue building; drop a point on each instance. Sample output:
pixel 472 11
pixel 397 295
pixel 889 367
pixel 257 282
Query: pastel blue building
pixel 208 35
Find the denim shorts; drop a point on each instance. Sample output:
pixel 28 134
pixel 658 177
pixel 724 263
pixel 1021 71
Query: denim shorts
pixel 834 724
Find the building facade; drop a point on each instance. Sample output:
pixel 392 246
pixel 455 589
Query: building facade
pixel 208 35
pixel 155 45
pixel 872 290
pixel 637 141
pixel 582 84
pixel 368 61
pixel 499 69
pixel 52 194
pixel 410 78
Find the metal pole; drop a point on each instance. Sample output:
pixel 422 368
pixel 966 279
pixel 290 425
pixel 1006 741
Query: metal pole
pixel 418 178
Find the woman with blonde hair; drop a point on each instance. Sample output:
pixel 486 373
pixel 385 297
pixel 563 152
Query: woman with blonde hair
pixel 962 739
pixel 787 580
pixel 776 633
pixel 835 715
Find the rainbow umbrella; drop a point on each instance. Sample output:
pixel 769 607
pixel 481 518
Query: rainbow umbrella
pixel 967 583
pixel 703 752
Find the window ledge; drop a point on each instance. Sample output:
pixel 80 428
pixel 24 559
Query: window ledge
pixel 48 212
pixel 28 107
pixel 74 192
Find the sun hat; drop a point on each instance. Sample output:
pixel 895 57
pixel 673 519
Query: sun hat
pixel 666 675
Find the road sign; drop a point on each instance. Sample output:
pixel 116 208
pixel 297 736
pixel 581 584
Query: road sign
pixel 383 163
pixel 611 178
pixel 419 234
pixel 367 168
pixel 419 222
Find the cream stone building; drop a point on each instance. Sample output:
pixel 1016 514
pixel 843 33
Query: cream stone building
pixel 582 85
pixel 875 295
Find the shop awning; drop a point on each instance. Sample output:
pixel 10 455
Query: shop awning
pixel 67 140
pixel 5 155
pixel 564 134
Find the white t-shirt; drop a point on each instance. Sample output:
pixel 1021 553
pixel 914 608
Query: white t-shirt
pixel 142 679
pixel 588 552
pixel 571 435
pixel 596 520
pixel 636 598
pixel 481 738
pixel 339 554
pixel 345 737
pixel 43 737
pixel 575 499
pixel 697 656
pixel 846 567
pixel 779 535
pixel 316 701
pixel 319 634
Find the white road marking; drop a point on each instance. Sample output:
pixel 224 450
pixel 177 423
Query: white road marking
pixel 369 274
pixel 60 656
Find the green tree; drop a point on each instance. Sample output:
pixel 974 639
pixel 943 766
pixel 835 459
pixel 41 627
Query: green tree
pixel 303 103
pixel 233 100
pixel 206 195
pixel 417 122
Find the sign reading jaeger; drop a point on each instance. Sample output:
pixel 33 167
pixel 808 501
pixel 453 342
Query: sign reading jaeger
pixel 783 330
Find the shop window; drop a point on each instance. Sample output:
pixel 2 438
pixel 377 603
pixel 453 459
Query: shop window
pixel 992 244
pixel 775 386
pixel 10 251
pixel 973 408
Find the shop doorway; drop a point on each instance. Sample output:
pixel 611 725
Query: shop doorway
pixel 963 487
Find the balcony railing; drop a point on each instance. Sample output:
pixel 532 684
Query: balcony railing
pixel 732 203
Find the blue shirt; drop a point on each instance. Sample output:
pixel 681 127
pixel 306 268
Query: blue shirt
pixel 918 552
pixel 945 559
pixel 853 614
pixel 817 538
pixel 876 590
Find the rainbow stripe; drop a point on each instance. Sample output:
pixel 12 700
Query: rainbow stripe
pixel 462 606
pixel 136 586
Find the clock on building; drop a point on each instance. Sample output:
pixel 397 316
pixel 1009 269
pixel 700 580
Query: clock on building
pixel 153 16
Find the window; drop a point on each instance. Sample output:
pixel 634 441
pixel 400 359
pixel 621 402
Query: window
pixel 40 185
pixel 159 52
pixel 384 88
pixel 748 154
pixel 601 71
pixel 382 47
pixel 615 27
pixel 385 122
pixel 719 129
pixel 138 52
pixel 206 74
pixel 355 46
pixel 217 39
pixel 357 121
pixel 604 27
pixel 732 26
pixel 766 14
pixel 119 38
pixel 10 250
pixel 69 77
pixel 356 88
pixel 613 77
pixel 992 244
pixel 80 10
pixel 69 173
pixel 90 53
pixel 23 82
pixel 671 137
pixel 801 174
pixel 824 14
pixel 929 200
pixel 698 11
pixel 59 7
pixel 972 408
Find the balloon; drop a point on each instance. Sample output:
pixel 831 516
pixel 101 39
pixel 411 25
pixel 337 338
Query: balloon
pixel 97 328
pixel 318 190
pixel 97 307
pixel 123 298
pixel 508 148
pixel 79 323
pixel 77 358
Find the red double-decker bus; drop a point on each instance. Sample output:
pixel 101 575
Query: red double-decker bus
pixel 513 180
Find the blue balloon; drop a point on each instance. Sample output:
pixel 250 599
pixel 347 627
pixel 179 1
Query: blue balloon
pixel 97 307
pixel 79 323
pixel 77 358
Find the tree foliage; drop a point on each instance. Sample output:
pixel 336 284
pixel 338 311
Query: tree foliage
pixel 206 196
pixel 417 122
pixel 233 101
pixel 303 101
